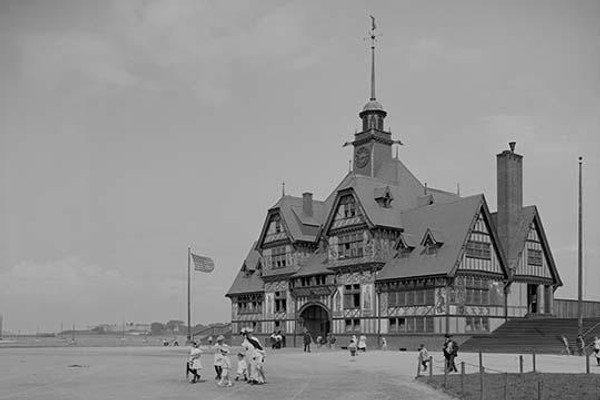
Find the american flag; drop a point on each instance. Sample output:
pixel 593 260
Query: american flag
pixel 202 263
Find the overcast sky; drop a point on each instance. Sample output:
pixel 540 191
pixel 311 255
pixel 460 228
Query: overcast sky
pixel 130 130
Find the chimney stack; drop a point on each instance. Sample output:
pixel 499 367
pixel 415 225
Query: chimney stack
pixel 307 203
pixel 510 193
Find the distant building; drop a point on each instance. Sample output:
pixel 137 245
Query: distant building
pixel 386 255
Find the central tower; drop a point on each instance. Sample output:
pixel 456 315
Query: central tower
pixel 372 145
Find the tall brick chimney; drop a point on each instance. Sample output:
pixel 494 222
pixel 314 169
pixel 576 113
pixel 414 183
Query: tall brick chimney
pixel 510 193
pixel 307 203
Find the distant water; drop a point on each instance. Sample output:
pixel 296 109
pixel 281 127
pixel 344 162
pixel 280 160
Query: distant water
pixel 90 341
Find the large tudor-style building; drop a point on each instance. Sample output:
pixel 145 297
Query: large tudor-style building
pixel 385 255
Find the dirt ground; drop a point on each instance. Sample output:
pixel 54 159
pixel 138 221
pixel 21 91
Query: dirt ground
pixel 159 373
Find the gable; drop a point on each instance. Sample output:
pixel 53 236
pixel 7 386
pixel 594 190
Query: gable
pixel 274 230
pixel 534 260
pixel 480 251
pixel 347 212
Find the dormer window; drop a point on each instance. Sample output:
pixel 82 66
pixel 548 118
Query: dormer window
pixel 430 242
pixel 383 197
pixel 278 257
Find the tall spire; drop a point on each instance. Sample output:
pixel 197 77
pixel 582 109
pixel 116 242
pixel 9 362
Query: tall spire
pixel 373 36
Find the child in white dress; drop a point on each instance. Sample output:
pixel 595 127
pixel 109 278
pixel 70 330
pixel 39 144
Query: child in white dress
pixel 225 367
pixel 242 368
pixel 193 364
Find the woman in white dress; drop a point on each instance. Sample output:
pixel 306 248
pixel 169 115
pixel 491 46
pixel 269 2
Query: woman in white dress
pixel 362 343
pixel 255 354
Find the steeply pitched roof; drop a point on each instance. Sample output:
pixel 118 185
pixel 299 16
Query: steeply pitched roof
pixel 301 227
pixel 450 221
pixel 316 264
pixel 248 279
pixel 515 247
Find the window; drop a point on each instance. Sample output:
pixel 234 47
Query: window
pixel 350 245
pixel 352 325
pixel 246 306
pixel 418 297
pixel 278 257
pixel 411 325
pixel 280 301
pixel 477 249
pixel 534 257
pixel 352 296
pixel 320 279
pixel 477 291
pixel 347 208
pixel 477 324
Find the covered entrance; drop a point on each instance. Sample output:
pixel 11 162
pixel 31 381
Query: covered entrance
pixel 315 318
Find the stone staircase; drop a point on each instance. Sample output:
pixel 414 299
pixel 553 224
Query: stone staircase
pixel 542 335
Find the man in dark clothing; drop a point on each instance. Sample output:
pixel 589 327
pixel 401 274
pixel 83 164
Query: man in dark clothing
pixel 450 352
pixel 307 341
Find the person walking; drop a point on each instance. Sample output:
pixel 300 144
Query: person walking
pixel 193 364
pixel 225 367
pixel 597 349
pixel 307 341
pixel 352 348
pixel 218 357
pixel 423 357
pixel 450 350
pixel 255 354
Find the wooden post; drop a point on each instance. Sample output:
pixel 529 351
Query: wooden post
pixel 587 363
pixel 482 382
pixel 506 386
pixel 430 366
pixel 481 377
pixel 462 378
pixel 533 354
pixel 445 376
pixel 521 364
pixel 540 387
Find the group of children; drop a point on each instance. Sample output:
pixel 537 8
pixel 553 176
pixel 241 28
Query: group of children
pixel 222 363
pixel 251 371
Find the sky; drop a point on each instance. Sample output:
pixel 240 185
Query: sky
pixel 131 130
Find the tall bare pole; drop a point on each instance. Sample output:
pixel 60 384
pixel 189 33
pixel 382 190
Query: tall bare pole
pixel 580 255
pixel 189 330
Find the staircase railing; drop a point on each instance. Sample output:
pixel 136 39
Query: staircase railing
pixel 591 329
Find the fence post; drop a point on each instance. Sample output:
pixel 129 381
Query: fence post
pixel 521 364
pixel 445 376
pixel 540 387
pixel 430 366
pixel 533 354
pixel 481 377
pixel 462 378
pixel 506 386
pixel 587 363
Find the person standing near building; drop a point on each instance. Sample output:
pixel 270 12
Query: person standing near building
pixel 307 341
pixel 597 349
pixel 383 344
pixel 581 345
pixel 450 350
pixel 362 343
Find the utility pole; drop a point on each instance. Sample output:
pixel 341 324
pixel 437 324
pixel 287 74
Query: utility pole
pixel 580 256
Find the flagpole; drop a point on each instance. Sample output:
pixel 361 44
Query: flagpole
pixel 189 330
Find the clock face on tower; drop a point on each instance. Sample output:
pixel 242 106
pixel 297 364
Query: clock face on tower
pixel 362 156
